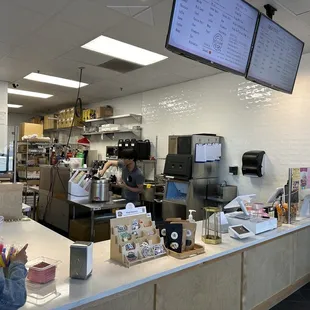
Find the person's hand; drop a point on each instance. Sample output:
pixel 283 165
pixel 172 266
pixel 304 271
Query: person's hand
pixel 121 183
pixel 21 256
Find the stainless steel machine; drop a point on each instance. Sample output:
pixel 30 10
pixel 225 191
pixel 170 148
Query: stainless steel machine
pixel 53 207
pixel 186 190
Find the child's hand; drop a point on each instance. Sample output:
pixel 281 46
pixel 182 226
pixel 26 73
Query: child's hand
pixel 21 256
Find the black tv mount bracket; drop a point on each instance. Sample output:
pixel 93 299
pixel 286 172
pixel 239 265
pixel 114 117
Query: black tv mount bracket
pixel 270 10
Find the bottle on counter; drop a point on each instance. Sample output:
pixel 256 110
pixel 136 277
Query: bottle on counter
pixel 53 157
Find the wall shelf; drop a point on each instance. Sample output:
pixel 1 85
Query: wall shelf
pixel 110 134
pixel 62 129
pixel 136 117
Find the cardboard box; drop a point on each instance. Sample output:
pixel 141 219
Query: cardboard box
pixel 80 230
pixel 50 121
pixel 106 111
pixel 26 129
pixel 11 200
pixel 36 120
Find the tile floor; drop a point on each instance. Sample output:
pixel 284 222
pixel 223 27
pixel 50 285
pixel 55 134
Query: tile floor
pixel 300 300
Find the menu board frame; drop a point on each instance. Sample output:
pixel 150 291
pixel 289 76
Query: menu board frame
pixel 205 61
pixel 263 83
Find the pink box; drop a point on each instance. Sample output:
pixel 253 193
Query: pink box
pixel 42 270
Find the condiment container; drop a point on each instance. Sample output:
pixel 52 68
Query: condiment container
pixel 42 270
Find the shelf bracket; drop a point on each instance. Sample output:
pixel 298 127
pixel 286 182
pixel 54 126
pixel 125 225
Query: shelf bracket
pixel 138 118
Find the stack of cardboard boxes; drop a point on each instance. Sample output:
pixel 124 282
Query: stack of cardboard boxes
pixel 28 129
pixel 96 113
pixel 66 118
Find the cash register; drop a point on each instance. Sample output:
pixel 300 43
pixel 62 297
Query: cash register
pixel 257 225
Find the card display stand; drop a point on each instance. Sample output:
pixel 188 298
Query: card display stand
pixel 135 239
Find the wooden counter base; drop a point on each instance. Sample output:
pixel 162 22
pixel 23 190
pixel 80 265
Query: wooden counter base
pixel 257 278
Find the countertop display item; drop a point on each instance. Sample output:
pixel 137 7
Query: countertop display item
pixel 239 232
pixel 211 226
pixel 42 270
pixel 179 238
pixel 11 201
pixel 175 239
pixel 81 260
pixel 191 217
pixel 41 294
pixel 134 237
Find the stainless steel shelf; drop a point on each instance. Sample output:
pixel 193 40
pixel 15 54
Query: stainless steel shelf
pixel 137 117
pixel 33 142
pixel 109 133
pixel 63 129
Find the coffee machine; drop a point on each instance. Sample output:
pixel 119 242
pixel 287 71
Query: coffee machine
pixel 187 177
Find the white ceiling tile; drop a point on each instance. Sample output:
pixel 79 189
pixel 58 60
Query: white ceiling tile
pixel 70 69
pixel 17 23
pixel 46 7
pixel 185 68
pixel 135 10
pixel 60 31
pixel 139 34
pixel 49 49
pixel 56 91
pixel 121 9
pixel 13 69
pixel 102 90
pixel 92 15
pixel 87 57
pixel 146 17
pixel 129 2
pixel 161 13
pixel 296 6
pixel 6 49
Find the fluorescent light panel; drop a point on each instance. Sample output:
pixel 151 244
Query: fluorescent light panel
pixel 124 51
pixel 14 106
pixel 49 79
pixel 28 93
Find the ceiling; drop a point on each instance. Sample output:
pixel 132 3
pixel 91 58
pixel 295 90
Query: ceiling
pixel 46 35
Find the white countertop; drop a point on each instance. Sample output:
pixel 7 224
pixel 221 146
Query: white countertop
pixel 108 277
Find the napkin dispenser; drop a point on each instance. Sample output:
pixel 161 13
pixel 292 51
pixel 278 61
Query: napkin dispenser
pixel 253 164
pixel 81 260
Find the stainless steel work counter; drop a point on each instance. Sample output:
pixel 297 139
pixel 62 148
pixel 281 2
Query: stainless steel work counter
pixel 96 206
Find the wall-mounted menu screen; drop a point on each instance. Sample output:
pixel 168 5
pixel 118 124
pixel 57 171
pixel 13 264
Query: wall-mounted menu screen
pixel 215 32
pixel 276 57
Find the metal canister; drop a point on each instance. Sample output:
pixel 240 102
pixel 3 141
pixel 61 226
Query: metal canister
pixel 99 191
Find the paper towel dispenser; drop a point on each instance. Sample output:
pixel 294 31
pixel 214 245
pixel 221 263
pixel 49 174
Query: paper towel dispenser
pixel 253 164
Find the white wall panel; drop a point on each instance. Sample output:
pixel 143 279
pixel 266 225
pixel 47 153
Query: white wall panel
pixel 247 115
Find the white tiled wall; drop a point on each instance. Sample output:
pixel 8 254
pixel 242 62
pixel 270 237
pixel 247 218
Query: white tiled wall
pixel 248 116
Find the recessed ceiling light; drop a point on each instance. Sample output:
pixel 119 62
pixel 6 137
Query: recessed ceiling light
pixel 28 93
pixel 43 78
pixel 14 106
pixel 124 51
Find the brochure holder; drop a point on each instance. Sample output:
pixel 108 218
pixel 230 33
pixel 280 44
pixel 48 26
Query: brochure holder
pixel 134 237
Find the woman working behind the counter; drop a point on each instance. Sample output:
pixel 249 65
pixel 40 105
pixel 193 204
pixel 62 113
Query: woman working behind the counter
pixel 132 177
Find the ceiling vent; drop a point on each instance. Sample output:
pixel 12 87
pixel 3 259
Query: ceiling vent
pixel 120 66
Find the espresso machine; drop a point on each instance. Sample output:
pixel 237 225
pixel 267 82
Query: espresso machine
pixel 187 176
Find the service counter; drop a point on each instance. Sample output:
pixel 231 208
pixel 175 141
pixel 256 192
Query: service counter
pixel 255 273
